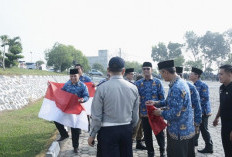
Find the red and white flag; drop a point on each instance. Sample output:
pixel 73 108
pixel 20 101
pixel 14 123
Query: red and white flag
pixel 64 108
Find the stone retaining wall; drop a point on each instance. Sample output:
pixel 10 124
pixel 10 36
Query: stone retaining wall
pixel 18 91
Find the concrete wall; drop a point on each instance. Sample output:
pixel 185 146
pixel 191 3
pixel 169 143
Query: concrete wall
pixel 18 91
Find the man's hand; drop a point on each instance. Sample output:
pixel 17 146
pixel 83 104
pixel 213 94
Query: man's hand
pixel 215 122
pixel 157 112
pixel 94 85
pixel 81 100
pixel 91 141
pixel 151 102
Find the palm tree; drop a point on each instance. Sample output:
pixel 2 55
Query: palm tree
pixel 4 43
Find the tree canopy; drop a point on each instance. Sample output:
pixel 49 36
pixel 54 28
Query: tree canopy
pixel 63 56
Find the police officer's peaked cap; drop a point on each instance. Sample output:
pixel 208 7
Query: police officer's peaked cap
pixel 166 64
pixel 116 63
pixel 73 71
pixel 197 71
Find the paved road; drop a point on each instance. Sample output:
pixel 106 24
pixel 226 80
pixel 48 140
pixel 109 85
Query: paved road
pixel 86 151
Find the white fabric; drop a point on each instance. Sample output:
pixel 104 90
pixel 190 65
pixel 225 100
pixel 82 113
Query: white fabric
pixel 49 111
pixel 87 105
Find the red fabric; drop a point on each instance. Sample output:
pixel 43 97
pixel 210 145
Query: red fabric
pixel 157 123
pixel 65 101
pixel 91 88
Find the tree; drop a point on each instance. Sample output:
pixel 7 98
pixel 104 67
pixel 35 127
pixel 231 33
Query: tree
pixel 214 48
pixel 179 61
pixel 99 67
pixel 192 41
pixel 159 52
pixel 39 63
pixel 62 57
pixel 136 65
pixel 196 64
pixel 174 50
pixel 14 50
pixel 4 42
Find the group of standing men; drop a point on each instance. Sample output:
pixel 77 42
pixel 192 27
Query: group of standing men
pixel 119 111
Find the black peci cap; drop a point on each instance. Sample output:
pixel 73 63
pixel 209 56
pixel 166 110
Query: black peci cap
pixel 147 64
pixel 179 70
pixel 197 71
pixel 129 70
pixel 166 64
pixel 73 71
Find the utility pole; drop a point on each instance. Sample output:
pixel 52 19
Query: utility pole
pixel 31 57
pixel 120 52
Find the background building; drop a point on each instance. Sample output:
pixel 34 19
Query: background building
pixel 102 58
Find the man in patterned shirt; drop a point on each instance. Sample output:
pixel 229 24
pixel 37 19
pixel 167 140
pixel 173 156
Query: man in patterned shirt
pixel 178 113
pixel 195 100
pixel 203 90
pixel 74 86
pixel 150 89
pixel 83 78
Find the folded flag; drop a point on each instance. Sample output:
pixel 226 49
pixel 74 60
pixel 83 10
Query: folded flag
pixel 157 123
pixel 63 107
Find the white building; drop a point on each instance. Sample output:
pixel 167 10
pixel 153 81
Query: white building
pixel 102 58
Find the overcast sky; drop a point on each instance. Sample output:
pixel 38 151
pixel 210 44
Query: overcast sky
pixel 90 25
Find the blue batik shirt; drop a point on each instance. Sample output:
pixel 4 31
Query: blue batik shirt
pixel 179 113
pixel 84 78
pixel 203 91
pixel 151 89
pixel 79 89
pixel 195 99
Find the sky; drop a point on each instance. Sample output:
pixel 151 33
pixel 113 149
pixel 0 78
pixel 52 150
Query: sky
pixel 90 25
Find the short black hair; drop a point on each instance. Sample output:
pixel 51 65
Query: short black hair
pixel 79 65
pixel 226 67
pixel 171 70
pixel 115 70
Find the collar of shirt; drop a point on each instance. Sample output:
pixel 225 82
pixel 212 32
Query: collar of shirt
pixel 223 87
pixel 148 79
pixel 78 83
pixel 174 81
pixel 116 77
pixel 197 82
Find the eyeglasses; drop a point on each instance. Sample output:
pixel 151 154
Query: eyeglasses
pixel 146 68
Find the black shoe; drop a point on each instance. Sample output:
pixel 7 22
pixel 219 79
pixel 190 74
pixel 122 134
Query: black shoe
pixel 150 154
pixel 206 150
pixel 75 150
pixel 62 138
pixel 140 146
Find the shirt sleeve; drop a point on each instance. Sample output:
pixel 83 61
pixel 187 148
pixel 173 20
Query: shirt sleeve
pixel 177 99
pixel 135 112
pixel 204 95
pixel 65 86
pixel 195 98
pixel 161 92
pixel 85 93
pixel 96 113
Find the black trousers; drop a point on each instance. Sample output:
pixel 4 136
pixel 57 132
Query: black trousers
pixel 180 148
pixel 115 141
pixel 148 136
pixel 75 133
pixel 225 134
pixel 205 133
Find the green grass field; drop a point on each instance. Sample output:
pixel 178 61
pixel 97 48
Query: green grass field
pixel 20 71
pixel 23 134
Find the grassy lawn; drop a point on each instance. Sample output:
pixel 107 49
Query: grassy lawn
pixel 23 134
pixel 20 71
